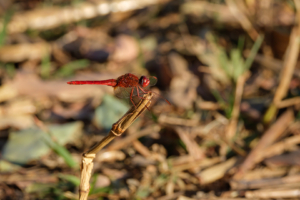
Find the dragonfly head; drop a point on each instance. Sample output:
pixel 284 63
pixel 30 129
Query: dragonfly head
pixel 144 81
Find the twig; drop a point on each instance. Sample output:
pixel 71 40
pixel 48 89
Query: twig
pixel 242 18
pixel 47 18
pixel 292 53
pixel 270 63
pixel 144 151
pixel 203 163
pixel 216 172
pixel 236 107
pixel 271 193
pixel 191 145
pixel 271 135
pixel 288 102
pixel 19 52
pixel 171 196
pixel 235 148
pixel 220 13
pixel 279 147
pixel 262 183
pixel 121 143
pixel 173 121
pixel 290 63
pixel 117 129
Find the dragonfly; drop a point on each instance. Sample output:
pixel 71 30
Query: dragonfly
pixel 126 86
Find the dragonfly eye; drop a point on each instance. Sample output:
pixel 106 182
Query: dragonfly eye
pixel 144 81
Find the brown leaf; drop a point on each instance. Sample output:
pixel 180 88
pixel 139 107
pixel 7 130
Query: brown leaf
pixel 126 49
pixel 21 52
pixel 184 84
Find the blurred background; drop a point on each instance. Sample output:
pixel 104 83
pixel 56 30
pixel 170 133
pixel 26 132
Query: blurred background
pixel 230 69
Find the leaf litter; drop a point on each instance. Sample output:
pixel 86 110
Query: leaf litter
pixel 230 70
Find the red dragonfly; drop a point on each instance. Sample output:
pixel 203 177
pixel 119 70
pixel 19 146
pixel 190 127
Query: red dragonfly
pixel 125 86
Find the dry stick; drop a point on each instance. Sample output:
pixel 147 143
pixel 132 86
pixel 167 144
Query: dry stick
pixel 216 172
pixel 231 130
pixel 117 129
pixel 289 102
pixel 171 196
pixel 121 143
pixel 297 5
pixel 164 119
pixel 263 183
pixel 191 145
pixel 292 53
pixel 215 198
pixel 19 52
pixel 290 63
pixel 47 18
pixel 242 18
pixel 221 13
pixel 235 148
pixel 270 63
pixel 269 137
pixel 140 148
pixel 271 193
pixel 236 107
pixel 279 147
pixel 203 163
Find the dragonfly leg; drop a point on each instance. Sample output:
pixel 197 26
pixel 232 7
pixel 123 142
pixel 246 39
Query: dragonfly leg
pixel 146 91
pixel 137 88
pixel 138 94
pixel 131 93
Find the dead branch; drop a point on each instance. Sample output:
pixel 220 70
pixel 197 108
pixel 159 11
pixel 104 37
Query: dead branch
pixel 117 129
pixel 47 18
pixel 269 137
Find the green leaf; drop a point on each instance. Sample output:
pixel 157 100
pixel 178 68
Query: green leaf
pixel 237 64
pixel 7 16
pixel 10 69
pixel 46 66
pixel 71 67
pixel 29 144
pixel 41 188
pixel 63 152
pixel 253 52
pixel 109 111
pixel 7 166
pixel 70 178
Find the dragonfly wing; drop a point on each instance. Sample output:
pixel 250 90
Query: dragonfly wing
pixel 143 90
pixel 153 80
pixel 124 92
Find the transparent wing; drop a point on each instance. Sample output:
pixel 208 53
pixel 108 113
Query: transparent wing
pixel 124 92
pixel 153 80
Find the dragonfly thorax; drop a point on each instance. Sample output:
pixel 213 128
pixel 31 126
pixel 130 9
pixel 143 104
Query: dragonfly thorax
pixel 144 81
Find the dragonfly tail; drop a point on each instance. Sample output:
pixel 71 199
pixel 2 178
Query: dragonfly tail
pixel 109 82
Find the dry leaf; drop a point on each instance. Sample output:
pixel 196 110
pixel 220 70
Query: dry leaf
pixel 126 49
pixel 184 84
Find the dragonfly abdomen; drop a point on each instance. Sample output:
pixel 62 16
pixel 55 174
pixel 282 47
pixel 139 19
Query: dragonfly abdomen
pixel 109 82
